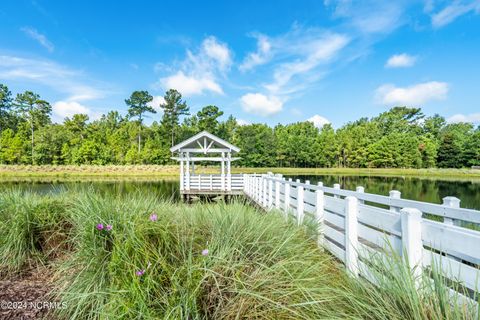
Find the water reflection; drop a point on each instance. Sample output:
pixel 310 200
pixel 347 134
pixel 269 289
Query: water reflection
pixel 412 188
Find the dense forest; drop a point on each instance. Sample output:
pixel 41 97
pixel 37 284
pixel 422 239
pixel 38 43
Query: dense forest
pixel 402 137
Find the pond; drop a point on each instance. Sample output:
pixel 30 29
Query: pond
pixel 422 189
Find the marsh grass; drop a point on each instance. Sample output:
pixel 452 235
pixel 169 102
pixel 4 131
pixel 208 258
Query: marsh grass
pixel 258 266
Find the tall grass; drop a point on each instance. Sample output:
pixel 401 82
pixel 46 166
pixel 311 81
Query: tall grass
pixel 32 229
pixel 257 267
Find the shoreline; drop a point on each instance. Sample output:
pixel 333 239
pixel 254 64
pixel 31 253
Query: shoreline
pixel 155 172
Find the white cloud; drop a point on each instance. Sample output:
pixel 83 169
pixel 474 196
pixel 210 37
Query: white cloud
pixel 318 121
pixel 156 102
pixel 198 73
pixel 454 10
pixel 192 84
pixel 471 118
pixel 218 52
pixel 261 56
pixel 63 109
pixel 310 52
pixel 369 16
pixel 414 95
pixel 402 60
pixel 51 74
pixel 259 104
pixel 40 38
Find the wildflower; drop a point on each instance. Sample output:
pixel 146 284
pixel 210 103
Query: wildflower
pixel 204 252
pixel 140 272
pixel 109 227
pixel 99 226
pixel 153 217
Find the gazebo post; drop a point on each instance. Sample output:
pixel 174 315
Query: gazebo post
pixel 229 175
pixel 188 171
pixel 223 171
pixel 182 180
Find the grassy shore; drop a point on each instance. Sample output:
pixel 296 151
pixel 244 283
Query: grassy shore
pixel 171 171
pixel 137 257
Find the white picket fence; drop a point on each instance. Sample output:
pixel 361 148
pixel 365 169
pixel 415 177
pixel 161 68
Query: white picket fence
pixel 353 225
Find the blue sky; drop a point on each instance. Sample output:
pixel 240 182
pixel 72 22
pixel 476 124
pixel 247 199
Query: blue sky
pixel 262 61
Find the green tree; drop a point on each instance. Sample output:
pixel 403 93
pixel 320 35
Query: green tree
pixel 173 108
pixel 5 105
pixel 207 118
pixel 35 111
pixel 138 105
pixel 450 152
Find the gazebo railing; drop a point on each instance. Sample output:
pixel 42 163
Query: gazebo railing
pixel 213 182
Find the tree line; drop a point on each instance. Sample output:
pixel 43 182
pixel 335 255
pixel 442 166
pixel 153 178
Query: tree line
pixel 401 137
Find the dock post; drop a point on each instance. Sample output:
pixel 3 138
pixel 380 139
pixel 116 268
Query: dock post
pixel 286 202
pixel 300 205
pixel 336 186
pixel 270 194
pixel 395 194
pixel 320 214
pixel 277 194
pixel 451 202
pixel 411 221
pixel 351 235
pixel 360 189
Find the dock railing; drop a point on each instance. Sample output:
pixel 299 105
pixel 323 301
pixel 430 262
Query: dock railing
pixel 354 225
pixel 213 182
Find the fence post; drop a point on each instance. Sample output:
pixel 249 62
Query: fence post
pixel 264 200
pixel 336 186
pixel 395 194
pixel 270 193
pixel 300 205
pixel 351 235
pixel 411 221
pixel 319 215
pixel 360 190
pixel 451 202
pixel 287 198
pixel 277 194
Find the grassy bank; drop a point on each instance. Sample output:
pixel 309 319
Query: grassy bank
pixel 172 171
pixel 137 257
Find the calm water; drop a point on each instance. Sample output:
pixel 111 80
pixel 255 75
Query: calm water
pixel 411 188
pixel 428 190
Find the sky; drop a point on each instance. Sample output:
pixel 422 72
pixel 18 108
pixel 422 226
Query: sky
pixel 265 61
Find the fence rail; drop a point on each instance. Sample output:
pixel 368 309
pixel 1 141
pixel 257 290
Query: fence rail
pixel 353 225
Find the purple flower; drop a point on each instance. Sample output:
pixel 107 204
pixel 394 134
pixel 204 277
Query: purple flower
pixel 204 252
pixel 99 226
pixel 140 272
pixel 109 227
pixel 153 217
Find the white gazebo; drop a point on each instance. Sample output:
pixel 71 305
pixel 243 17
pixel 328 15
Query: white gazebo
pixel 205 146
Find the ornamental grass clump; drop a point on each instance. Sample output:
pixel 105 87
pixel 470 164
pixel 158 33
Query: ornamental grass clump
pixel 33 229
pixel 197 262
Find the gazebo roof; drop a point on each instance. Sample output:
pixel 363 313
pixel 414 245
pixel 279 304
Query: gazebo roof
pixel 205 142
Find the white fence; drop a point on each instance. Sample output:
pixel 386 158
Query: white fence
pixel 355 224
